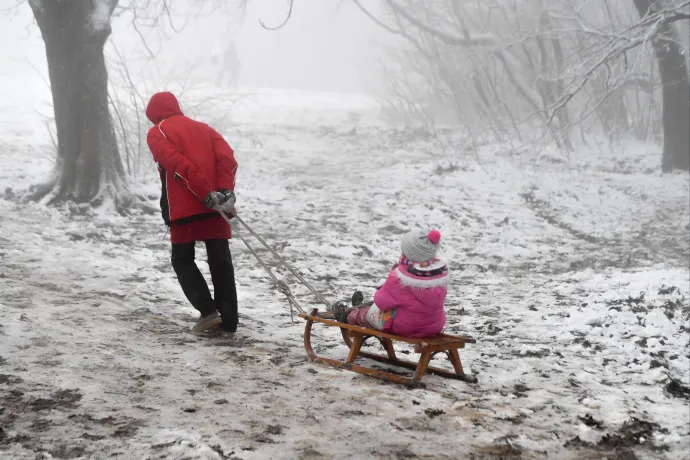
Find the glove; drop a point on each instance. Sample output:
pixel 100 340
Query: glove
pixel 213 200
pixel 227 204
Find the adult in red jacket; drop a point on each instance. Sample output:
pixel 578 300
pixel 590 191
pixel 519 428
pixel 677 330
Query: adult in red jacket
pixel 197 169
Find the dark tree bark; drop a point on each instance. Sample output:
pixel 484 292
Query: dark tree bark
pixel 88 167
pixel 675 91
pixel 549 90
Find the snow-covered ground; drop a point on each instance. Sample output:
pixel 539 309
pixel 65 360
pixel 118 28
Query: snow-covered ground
pixel 571 273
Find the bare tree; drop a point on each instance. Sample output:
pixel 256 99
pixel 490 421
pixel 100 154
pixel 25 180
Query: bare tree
pixel 88 167
pixel 475 71
pixel 676 86
pixel 509 64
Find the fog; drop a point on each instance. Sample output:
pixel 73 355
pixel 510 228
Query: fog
pixel 326 45
pixel 513 174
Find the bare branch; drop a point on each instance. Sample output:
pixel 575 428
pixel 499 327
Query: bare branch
pixel 484 39
pixel 17 4
pixel 376 20
pixel 169 16
pixel 290 4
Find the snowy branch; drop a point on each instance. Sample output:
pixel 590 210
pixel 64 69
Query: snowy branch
pixel 102 10
pixel 467 39
pixel 376 20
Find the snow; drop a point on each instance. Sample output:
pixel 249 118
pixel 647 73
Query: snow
pixel 100 17
pixel 573 277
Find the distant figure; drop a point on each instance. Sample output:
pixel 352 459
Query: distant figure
pixel 197 169
pixel 227 66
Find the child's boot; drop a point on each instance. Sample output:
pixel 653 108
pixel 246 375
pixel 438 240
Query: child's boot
pixel 339 310
pixel 357 298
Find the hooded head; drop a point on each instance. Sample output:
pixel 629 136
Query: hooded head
pixel 161 106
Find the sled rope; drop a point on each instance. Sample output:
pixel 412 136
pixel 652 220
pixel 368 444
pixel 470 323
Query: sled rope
pixel 280 284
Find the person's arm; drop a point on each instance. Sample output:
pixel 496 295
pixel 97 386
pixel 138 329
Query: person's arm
pixel 385 297
pixel 167 156
pixel 226 165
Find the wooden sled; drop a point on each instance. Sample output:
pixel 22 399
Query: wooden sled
pixel 355 336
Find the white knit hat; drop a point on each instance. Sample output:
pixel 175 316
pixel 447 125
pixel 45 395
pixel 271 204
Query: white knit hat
pixel 419 246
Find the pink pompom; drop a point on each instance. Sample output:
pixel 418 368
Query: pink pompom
pixel 434 236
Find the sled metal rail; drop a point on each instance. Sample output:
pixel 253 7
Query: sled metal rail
pixel 280 284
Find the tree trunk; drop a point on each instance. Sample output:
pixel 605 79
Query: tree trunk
pixel 550 88
pixel 88 167
pixel 675 91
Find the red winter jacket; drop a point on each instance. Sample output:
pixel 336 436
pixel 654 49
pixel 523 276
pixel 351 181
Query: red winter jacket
pixel 193 160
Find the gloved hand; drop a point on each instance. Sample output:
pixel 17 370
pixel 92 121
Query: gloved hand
pixel 228 203
pixel 213 199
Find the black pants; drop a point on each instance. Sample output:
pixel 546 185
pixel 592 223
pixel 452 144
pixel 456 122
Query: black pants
pixel 222 274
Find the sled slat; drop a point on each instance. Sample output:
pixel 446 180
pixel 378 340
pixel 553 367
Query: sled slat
pixel 355 336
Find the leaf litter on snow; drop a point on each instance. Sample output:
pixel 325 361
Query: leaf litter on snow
pixel 579 304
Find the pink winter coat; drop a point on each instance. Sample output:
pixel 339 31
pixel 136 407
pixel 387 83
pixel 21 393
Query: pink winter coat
pixel 417 302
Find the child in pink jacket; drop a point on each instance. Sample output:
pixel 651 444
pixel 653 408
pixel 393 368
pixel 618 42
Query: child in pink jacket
pixel 410 302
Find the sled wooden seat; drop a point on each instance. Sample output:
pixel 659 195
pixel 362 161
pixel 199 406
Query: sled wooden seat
pixel 427 347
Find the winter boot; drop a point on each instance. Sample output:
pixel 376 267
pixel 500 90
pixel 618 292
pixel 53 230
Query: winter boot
pixel 207 322
pixel 339 310
pixel 357 298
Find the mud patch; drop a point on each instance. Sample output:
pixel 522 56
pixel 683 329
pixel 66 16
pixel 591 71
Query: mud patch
pixel 503 448
pixel 633 434
pixel 60 399
pixel 542 209
pixel 676 389
pixel 6 379
pixel 591 421
pixel 432 413
pixel 110 426
pixel 67 451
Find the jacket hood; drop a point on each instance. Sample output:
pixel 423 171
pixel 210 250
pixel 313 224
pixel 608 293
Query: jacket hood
pixel 161 106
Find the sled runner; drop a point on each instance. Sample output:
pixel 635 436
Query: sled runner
pixel 355 336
